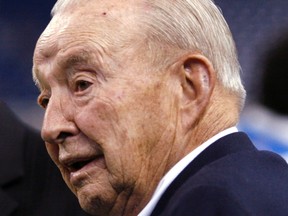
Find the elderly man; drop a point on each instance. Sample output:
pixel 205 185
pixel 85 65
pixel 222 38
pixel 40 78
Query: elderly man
pixel 142 98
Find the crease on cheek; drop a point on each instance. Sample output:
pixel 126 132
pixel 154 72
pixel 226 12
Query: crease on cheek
pixel 100 122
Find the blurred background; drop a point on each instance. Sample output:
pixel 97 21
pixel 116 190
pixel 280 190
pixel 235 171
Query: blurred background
pixel 257 26
pixel 21 23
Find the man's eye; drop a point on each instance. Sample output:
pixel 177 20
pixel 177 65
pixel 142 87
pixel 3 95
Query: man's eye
pixel 44 102
pixel 82 85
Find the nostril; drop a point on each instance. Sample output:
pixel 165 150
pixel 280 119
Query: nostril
pixel 62 136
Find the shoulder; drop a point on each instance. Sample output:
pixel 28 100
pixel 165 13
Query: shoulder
pixel 238 184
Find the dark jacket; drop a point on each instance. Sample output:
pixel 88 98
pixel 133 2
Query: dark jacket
pixel 30 183
pixel 230 177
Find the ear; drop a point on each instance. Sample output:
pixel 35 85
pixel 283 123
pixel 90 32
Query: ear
pixel 198 80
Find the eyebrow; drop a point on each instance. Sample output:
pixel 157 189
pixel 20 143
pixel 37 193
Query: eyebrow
pixel 73 60
pixel 66 63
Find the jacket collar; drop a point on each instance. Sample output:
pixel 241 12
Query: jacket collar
pixel 226 145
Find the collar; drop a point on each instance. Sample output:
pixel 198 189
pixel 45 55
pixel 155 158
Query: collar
pixel 178 168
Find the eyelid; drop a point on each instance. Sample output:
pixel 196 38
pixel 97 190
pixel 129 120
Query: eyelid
pixel 94 71
pixel 43 96
pixel 81 77
pixel 78 88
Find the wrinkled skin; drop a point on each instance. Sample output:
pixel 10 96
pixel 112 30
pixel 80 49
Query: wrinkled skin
pixel 109 122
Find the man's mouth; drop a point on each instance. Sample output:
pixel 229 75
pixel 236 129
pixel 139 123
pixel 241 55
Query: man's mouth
pixel 73 167
pixel 77 164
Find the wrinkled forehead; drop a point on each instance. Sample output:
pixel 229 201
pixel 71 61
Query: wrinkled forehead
pixel 102 22
pixel 66 5
pixel 104 18
pixel 97 9
pixel 112 30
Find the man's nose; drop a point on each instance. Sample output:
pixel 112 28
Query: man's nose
pixel 58 121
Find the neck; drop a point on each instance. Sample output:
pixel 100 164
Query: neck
pixel 222 113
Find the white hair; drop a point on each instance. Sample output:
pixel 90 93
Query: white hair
pixel 190 25
pixel 198 25
pixel 61 4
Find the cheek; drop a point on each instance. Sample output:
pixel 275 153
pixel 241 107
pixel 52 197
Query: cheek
pixel 97 120
pixel 102 122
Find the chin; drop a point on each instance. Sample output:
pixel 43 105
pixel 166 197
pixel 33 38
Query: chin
pixel 94 203
pixel 94 206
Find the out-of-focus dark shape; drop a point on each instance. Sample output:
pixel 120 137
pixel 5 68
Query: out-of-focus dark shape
pixel 30 184
pixel 274 94
pixel 266 120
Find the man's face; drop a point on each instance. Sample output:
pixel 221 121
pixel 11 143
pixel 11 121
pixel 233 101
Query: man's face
pixel 108 121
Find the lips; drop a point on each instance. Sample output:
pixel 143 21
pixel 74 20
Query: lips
pixel 74 164
pixel 73 167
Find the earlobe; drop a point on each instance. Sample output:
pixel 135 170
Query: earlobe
pixel 197 86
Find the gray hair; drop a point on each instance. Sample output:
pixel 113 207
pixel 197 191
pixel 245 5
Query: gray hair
pixel 191 25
